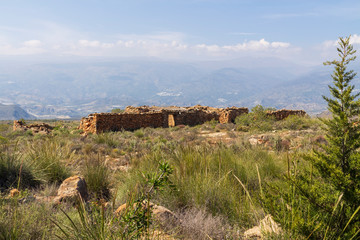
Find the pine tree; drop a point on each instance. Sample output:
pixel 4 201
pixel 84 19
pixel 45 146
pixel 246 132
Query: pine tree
pixel 335 195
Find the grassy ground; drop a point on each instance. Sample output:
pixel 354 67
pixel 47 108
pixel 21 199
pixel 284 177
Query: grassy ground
pixel 218 184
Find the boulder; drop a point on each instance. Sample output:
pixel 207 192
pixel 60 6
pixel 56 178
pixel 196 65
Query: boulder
pixel 72 188
pixel 267 226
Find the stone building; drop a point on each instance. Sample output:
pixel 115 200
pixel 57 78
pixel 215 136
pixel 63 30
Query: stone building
pixel 141 117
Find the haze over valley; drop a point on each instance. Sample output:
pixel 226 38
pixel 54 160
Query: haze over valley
pixel 71 89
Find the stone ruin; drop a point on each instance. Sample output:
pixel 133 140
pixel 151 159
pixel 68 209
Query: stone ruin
pixel 35 128
pixel 284 113
pixel 141 117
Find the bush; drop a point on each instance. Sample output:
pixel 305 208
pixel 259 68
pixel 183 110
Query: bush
pixel 117 110
pixel 14 173
pixel 256 120
pixel 139 133
pixel 48 157
pixel 97 177
pixel 106 138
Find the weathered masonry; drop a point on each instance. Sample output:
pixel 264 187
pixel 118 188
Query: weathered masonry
pixel 140 117
pixel 284 113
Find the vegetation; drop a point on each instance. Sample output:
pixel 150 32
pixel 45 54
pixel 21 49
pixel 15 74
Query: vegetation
pixel 219 180
pixel 325 194
pixel 258 121
pixel 117 110
pixel 215 185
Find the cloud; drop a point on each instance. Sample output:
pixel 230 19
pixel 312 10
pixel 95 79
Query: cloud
pixel 260 45
pixel 355 39
pixel 87 43
pixel 167 48
pixel 56 40
pixel 327 49
pixel 32 43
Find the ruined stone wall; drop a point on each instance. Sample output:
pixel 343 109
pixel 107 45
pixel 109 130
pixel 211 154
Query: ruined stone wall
pixel 35 128
pixel 103 122
pixel 229 115
pixel 284 113
pixel 88 124
pixel 142 117
pixel 193 118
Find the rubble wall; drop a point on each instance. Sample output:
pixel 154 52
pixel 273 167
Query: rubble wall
pixel 229 115
pixel 35 128
pixel 284 113
pixel 141 117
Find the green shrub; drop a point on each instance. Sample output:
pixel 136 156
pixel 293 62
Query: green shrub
pixel 256 120
pixel 97 177
pixel 139 133
pixel 14 173
pixel 48 158
pixel 117 110
pixel 322 199
pixel 107 138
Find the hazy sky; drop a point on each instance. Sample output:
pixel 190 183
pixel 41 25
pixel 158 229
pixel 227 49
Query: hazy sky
pixel 305 30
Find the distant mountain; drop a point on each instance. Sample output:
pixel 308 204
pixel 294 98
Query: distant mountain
pixel 13 112
pixel 75 89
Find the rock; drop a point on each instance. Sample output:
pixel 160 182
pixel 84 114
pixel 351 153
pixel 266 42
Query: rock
pixel 267 226
pixel 121 163
pixel 259 140
pixel 253 233
pixel 162 216
pixel 14 193
pixel 320 140
pixel 253 141
pixel 71 189
pixel 285 144
pixel 159 235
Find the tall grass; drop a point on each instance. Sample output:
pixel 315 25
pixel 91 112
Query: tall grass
pixel 26 221
pixel 48 157
pixel 14 173
pixel 206 178
pixel 97 177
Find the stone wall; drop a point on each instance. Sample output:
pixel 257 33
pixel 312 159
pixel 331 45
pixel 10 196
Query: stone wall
pixel 118 122
pixel 284 113
pixel 229 115
pixel 104 122
pixel 141 117
pixel 35 128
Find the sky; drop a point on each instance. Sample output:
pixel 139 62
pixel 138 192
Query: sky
pixel 303 31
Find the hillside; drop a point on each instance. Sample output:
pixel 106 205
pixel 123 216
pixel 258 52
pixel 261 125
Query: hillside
pixel 13 112
pixel 205 198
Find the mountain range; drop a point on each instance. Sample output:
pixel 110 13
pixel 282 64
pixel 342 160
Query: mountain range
pixel 75 88
pixel 13 112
